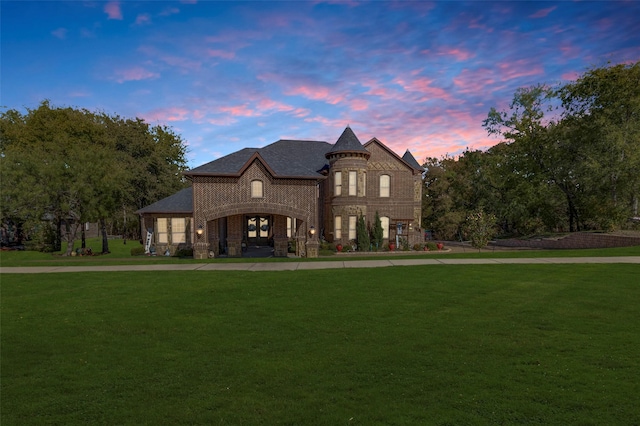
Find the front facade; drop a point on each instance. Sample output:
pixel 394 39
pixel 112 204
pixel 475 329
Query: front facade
pixel 289 194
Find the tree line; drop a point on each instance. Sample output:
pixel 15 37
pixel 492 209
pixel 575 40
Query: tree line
pixel 63 167
pixel 569 160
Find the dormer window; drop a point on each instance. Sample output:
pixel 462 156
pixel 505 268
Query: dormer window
pixel 257 189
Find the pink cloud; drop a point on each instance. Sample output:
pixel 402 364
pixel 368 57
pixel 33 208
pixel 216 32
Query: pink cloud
pixel 167 114
pixel 113 10
pixel 474 81
pixel 423 85
pixel 220 54
pixel 517 69
pixel 571 75
pixel 135 74
pixel 317 93
pixel 459 54
pixel 240 110
pixel 543 12
pixel 358 105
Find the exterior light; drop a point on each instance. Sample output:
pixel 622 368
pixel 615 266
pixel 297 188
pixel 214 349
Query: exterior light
pixel 312 230
pixel 199 231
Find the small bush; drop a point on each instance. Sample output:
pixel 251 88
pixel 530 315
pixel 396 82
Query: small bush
pixel 137 251
pixel 432 246
pixel 417 247
pixel 185 252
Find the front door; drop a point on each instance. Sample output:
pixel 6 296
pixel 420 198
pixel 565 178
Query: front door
pixel 258 230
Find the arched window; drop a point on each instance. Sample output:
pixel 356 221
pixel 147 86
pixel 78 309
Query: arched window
pixel 385 184
pixel 385 227
pixel 256 189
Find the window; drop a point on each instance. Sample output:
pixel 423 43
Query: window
pixel 385 183
pixel 364 184
pixel 385 227
pixel 291 226
pixel 163 230
pixel 353 186
pixel 338 230
pixel 338 184
pixel 352 227
pixel 256 189
pixel 178 230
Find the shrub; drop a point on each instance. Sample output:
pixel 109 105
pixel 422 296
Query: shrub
pixel 417 247
pixel 184 252
pixel 137 251
pixel 432 246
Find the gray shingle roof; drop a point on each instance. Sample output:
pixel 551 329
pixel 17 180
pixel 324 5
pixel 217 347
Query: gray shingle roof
pixel 285 158
pixel 347 142
pixel 411 160
pixel 180 202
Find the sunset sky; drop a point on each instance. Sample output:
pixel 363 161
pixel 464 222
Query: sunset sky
pixel 229 75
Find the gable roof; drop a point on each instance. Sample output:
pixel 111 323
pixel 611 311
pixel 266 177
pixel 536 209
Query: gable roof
pixel 411 160
pixel 178 203
pixel 393 154
pixel 283 159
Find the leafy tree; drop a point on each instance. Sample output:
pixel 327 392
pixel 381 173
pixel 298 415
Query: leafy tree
pixel 480 228
pixel 65 166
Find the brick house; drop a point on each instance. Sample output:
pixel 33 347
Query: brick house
pixel 290 191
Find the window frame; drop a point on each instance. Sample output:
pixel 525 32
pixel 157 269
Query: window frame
pixel 337 227
pixel 253 188
pixel 384 221
pixel 353 183
pixel 337 184
pixel 387 188
pixel 353 221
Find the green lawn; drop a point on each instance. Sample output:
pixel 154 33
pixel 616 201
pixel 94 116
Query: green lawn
pixel 121 254
pixel 458 345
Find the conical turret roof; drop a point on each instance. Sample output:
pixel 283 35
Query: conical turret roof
pixel 347 142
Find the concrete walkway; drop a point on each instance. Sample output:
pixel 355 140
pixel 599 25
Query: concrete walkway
pixel 302 266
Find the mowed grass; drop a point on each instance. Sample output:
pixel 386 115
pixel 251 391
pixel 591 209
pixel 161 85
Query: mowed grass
pixel 473 344
pixel 120 254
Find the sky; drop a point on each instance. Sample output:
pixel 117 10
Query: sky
pixel 224 76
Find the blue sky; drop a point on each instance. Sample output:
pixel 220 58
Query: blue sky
pixel 229 75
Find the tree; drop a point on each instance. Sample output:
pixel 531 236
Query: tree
pixel 65 166
pixel 480 228
pixel 603 108
pixel 362 235
pixel 377 233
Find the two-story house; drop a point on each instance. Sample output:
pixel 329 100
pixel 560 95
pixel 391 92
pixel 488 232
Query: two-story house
pixel 296 190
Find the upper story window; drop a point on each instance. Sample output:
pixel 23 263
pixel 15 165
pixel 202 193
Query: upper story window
pixel 338 184
pixel 364 184
pixel 353 183
pixel 385 184
pixel 257 189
